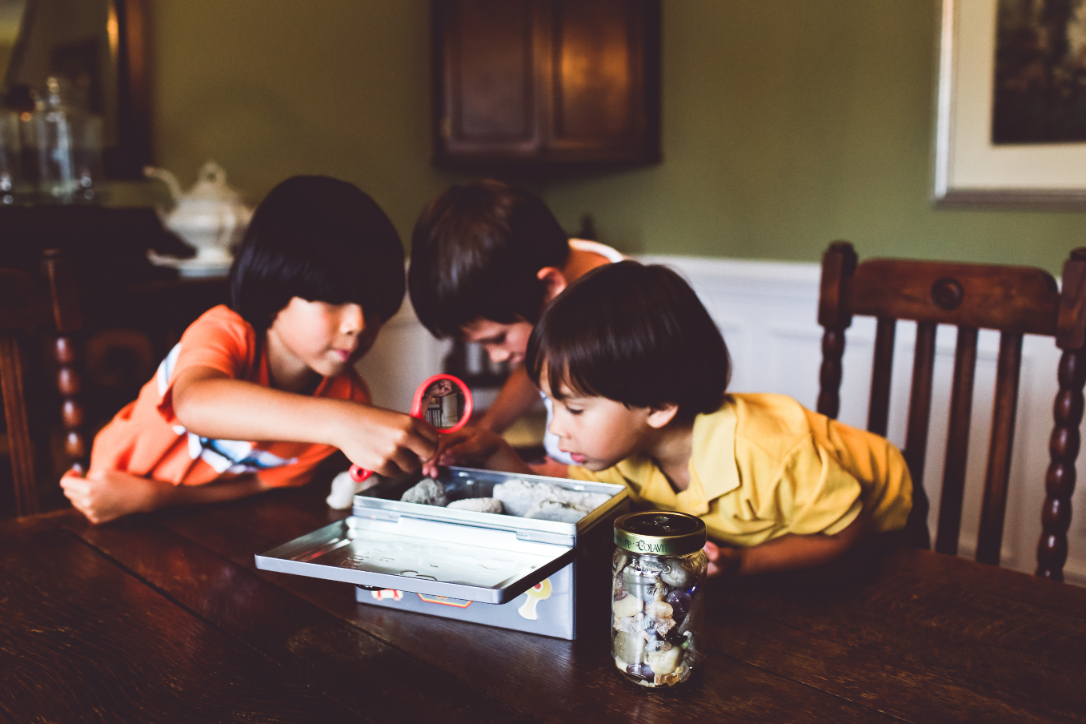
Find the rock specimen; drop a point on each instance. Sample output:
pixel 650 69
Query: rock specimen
pixel 547 502
pixel 427 492
pixel 479 505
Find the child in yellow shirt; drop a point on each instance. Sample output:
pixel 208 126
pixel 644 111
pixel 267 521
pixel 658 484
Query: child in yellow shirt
pixel 638 371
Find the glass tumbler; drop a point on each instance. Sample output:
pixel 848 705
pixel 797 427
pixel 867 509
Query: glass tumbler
pixel 10 157
pixel 67 144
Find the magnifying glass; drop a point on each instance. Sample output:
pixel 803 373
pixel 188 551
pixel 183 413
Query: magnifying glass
pixel 444 401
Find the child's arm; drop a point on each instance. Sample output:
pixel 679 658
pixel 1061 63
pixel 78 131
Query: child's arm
pixel 517 396
pixel 787 553
pixel 106 495
pixel 210 403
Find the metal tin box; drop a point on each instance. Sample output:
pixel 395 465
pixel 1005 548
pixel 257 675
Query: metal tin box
pixel 538 576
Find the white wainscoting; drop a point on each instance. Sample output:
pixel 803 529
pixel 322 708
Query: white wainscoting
pixel 403 356
pixel 766 311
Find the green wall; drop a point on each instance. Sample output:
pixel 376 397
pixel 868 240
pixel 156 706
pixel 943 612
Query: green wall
pixel 786 125
pixel 273 88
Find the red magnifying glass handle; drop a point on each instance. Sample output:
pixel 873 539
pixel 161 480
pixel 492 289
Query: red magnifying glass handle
pixel 358 473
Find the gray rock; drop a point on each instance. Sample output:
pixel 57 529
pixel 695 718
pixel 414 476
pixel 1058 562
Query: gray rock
pixel 629 647
pixel 427 492
pixel 479 505
pixel 555 510
pixel 678 576
pixel 517 496
pixel 580 498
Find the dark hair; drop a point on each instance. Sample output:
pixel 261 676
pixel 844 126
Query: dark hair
pixel 475 253
pixel 322 240
pixel 635 334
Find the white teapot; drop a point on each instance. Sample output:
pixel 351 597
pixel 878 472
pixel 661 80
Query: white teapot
pixel 210 217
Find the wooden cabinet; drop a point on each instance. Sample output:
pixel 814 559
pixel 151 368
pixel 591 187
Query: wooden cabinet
pixel 546 82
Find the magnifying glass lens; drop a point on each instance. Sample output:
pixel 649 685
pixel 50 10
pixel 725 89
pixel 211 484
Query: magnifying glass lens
pixel 444 405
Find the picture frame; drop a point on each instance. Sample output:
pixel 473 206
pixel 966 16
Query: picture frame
pixel 969 169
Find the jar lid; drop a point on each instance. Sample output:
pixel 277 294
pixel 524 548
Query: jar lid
pixel 661 533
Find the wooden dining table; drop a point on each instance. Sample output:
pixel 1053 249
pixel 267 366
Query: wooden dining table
pixel 165 618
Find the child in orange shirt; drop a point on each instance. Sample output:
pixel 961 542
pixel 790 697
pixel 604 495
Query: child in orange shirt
pixel 318 272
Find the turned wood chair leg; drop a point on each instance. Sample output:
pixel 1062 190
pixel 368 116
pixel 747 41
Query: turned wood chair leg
pixel 1060 479
pixel 22 452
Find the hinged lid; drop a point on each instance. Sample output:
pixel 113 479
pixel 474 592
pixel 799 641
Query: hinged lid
pixel 422 556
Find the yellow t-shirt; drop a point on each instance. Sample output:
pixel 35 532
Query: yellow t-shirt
pixel 763 466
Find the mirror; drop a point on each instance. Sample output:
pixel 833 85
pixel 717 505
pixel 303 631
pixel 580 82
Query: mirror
pixel 98 48
pixel 444 405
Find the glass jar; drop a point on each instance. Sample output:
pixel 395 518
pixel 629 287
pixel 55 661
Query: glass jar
pixel 66 142
pixel 658 573
pixel 10 157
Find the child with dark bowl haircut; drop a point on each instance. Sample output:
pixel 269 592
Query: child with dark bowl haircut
pixel 638 370
pixel 486 259
pixel 319 270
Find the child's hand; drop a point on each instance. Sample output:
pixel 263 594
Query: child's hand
pixel 106 495
pixel 465 446
pixel 723 561
pixel 478 446
pixel 384 441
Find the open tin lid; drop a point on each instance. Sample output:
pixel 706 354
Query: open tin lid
pixel 439 551
pixel 421 556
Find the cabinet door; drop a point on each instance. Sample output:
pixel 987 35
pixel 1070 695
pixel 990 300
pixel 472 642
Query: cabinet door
pixel 487 88
pixel 540 82
pixel 604 80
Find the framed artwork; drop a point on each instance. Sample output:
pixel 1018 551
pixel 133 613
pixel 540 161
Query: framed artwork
pixel 1011 103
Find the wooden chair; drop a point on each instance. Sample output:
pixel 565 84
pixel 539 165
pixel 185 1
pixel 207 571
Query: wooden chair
pixel 1012 300
pixel 28 302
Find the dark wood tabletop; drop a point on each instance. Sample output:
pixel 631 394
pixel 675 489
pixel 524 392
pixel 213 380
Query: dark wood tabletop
pixel 164 618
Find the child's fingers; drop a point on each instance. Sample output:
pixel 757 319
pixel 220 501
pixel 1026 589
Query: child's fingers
pixel 77 491
pixel 712 550
pixel 471 444
pixel 425 430
pixel 72 472
pixel 446 443
pixel 405 459
pixel 723 560
pixel 453 447
pixel 422 446
pixel 73 483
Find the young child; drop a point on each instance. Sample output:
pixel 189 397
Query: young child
pixel 637 371
pixel 486 259
pixel 319 270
